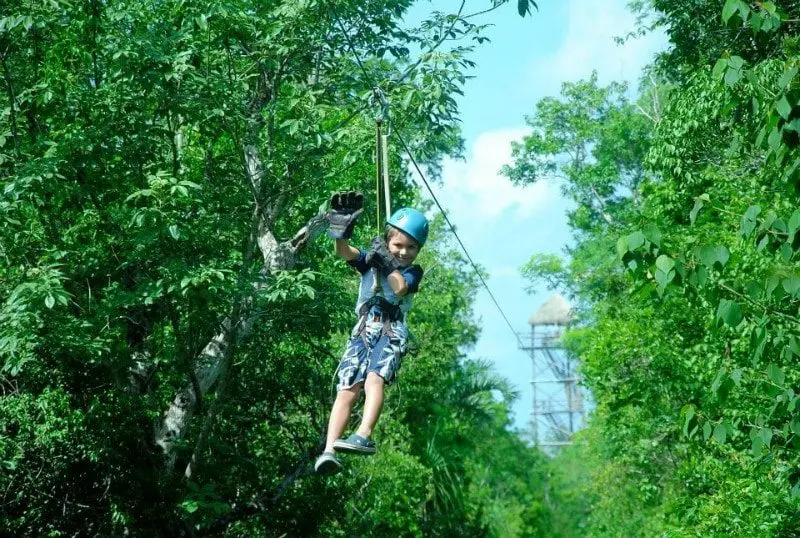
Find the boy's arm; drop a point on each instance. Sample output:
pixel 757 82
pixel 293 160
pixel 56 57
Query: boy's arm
pixel 398 283
pixel 345 250
pixel 405 282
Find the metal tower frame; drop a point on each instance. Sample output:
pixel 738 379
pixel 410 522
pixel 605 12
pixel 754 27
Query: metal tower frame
pixel 559 403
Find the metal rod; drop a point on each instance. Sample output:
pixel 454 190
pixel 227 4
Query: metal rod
pixel 385 167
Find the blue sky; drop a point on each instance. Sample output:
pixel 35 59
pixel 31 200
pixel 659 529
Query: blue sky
pixel 502 225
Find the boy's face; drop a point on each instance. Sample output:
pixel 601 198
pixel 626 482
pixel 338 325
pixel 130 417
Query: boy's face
pixel 402 247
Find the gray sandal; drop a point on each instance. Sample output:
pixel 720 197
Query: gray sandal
pixel 327 464
pixel 355 444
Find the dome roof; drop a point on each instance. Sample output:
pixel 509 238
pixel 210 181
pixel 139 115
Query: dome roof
pixel 555 311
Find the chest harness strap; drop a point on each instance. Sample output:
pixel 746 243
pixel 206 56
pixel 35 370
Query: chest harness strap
pixel 388 313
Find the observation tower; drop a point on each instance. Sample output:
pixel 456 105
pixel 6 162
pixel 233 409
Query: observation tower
pixel 559 402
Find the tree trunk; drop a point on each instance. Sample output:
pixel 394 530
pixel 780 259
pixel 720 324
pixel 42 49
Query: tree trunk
pixel 216 354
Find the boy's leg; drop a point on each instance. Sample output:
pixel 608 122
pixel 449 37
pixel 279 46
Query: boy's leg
pixel 373 388
pixel 359 442
pixel 327 463
pixel 384 360
pixel 340 414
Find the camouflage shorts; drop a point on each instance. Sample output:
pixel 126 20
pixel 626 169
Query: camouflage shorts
pixel 373 352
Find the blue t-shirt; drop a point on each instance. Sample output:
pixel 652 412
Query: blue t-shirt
pixel 412 274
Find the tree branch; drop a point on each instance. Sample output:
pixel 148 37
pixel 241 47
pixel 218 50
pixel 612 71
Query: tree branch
pixel 264 502
pixel 212 361
pixel 12 102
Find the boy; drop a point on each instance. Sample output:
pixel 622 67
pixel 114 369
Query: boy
pixel 378 341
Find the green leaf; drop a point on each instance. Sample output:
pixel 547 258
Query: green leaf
pixel 789 172
pixel 698 205
pixel 736 376
pixel 787 252
pixel 140 194
pixel 794 346
pixel 706 431
pixel 635 240
pixel 791 284
pixel 762 133
pixel 775 374
pixel 787 77
pixel 772 284
pixel 736 62
pixel 719 379
pixel 744 10
pixel 795 491
pixel 622 247
pixel 710 256
pixel 719 68
pixel 702 275
pixel 732 76
pixel 663 278
pixel 774 139
pixel 766 436
pixel 794 222
pixel 757 343
pixel 522 7
pixel 756 446
pixel 174 232
pixel 729 9
pixel 680 268
pixel 778 225
pixel 665 263
pixel 783 107
pixel 796 424
pixel 720 433
pixel 50 301
pixel 687 413
pixel 653 234
pixel 793 125
pixel 729 312
pixel 754 290
pixel 748 221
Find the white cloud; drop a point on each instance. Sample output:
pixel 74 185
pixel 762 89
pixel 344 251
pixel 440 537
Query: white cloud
pixel 475 190
pixel 589 45
pixel 505 271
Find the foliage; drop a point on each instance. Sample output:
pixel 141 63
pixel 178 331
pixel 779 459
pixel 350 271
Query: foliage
pixel 149 152
pixel 688 290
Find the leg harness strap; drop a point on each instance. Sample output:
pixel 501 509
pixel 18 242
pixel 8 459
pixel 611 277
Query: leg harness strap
pixel 380 310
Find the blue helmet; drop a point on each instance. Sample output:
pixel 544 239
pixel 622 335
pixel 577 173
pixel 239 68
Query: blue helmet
pixel 411 222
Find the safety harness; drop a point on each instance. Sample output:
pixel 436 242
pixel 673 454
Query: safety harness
pixel 377 308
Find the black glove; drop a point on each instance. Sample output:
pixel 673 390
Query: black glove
pixel 380 257
pixel 345 210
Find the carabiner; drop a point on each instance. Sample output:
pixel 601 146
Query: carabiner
pixel 378 99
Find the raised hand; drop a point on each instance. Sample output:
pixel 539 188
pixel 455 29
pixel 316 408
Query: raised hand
pixel 346 207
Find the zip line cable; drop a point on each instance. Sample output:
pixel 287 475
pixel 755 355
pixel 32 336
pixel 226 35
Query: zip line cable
pixel 452 229
pixel 427 186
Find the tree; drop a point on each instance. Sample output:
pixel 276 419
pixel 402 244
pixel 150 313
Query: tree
pixel 164 164
pixel 688 297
